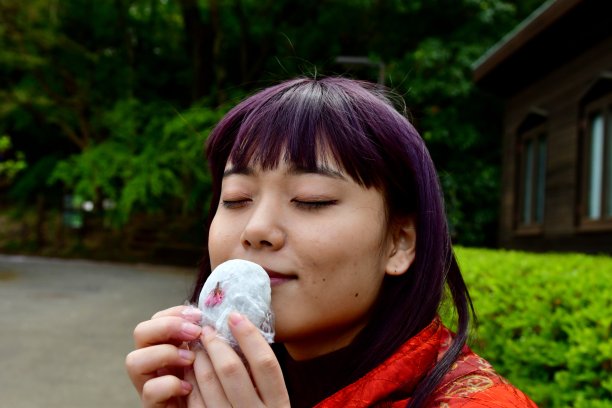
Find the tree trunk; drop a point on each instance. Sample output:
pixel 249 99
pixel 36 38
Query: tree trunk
pixel 128 49
pixel 219 68
pixel 39 228
pixel 199 41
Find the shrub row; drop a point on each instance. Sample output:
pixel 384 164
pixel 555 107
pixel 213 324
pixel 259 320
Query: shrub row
pixel 544 322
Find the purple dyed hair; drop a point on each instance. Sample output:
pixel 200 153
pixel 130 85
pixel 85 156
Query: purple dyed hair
pixel 377 146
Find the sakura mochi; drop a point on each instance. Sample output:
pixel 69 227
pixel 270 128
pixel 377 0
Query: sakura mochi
pixel 237 286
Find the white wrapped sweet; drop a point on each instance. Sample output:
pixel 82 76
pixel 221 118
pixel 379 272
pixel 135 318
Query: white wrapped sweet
pixel 237 286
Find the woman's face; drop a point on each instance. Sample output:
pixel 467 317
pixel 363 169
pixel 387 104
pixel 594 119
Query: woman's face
pixel 323 240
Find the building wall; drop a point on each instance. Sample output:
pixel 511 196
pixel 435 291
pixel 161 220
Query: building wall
pixel 559 95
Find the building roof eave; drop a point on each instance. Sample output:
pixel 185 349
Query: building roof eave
pixel 542 18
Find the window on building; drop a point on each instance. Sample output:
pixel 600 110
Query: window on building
pixel 531 162
pixel 597 196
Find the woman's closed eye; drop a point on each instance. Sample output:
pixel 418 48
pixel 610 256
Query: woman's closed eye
pixel 235 203
pixel 306 204
pixel 313 204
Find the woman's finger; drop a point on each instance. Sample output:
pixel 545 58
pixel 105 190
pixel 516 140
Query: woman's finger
pixel 165 329
pixel 194 399
pixel 264 366
pixel 208 382
pixel 230 371
pixel 159 392
pixel 187 312
pixel 144 364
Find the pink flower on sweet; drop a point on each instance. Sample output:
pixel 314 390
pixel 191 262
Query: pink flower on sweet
pixel 215 297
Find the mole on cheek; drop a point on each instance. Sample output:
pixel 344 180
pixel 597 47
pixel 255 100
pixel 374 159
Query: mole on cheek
pixel 356 294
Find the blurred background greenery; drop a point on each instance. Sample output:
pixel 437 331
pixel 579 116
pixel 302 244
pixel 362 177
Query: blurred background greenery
pixel 105 106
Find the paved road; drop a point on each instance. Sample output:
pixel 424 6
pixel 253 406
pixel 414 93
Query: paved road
pixel 66 326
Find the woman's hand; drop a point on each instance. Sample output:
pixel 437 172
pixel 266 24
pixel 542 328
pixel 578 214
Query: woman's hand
pixel 156 366
pixel 220 378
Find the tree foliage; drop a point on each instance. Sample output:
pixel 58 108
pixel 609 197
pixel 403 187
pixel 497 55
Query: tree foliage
pixel 112 100
pixel 151 160
pixel 9 166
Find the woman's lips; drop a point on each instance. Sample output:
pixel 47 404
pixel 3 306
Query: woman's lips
pixel 279 278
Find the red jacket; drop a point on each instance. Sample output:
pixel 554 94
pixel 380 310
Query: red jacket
pixel 470 383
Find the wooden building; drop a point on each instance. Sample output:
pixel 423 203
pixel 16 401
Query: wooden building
pixel 554 73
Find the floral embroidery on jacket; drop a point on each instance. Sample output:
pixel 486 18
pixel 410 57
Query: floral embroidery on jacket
pixel 471 382
pixel 468 385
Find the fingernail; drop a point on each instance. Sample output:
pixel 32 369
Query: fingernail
pixel 208 331
pixel 186 355
pixel 186 386
pixel 191 330
pixel 192 314
pixel 235 319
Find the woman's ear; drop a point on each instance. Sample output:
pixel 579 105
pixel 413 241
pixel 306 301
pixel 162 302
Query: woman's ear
pixel 403 245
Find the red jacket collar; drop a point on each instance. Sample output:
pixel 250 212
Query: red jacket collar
pixel 400 373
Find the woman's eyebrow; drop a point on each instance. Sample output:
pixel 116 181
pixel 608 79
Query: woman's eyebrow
pixel 293 171
pixel 245 171
pixel 320 170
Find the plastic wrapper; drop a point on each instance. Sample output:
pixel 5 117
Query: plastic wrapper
pixel 237 286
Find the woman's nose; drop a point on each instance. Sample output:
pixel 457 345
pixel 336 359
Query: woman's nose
pixel 263 229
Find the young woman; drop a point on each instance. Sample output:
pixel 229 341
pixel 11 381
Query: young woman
pixel 328 187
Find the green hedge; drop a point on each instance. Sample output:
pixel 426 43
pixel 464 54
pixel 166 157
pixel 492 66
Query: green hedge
pixel 545 322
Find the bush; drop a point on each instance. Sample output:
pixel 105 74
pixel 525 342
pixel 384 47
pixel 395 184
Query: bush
pixel 545 322
pixel 151 160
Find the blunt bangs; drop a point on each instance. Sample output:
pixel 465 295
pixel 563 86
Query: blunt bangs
pixel 307 123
